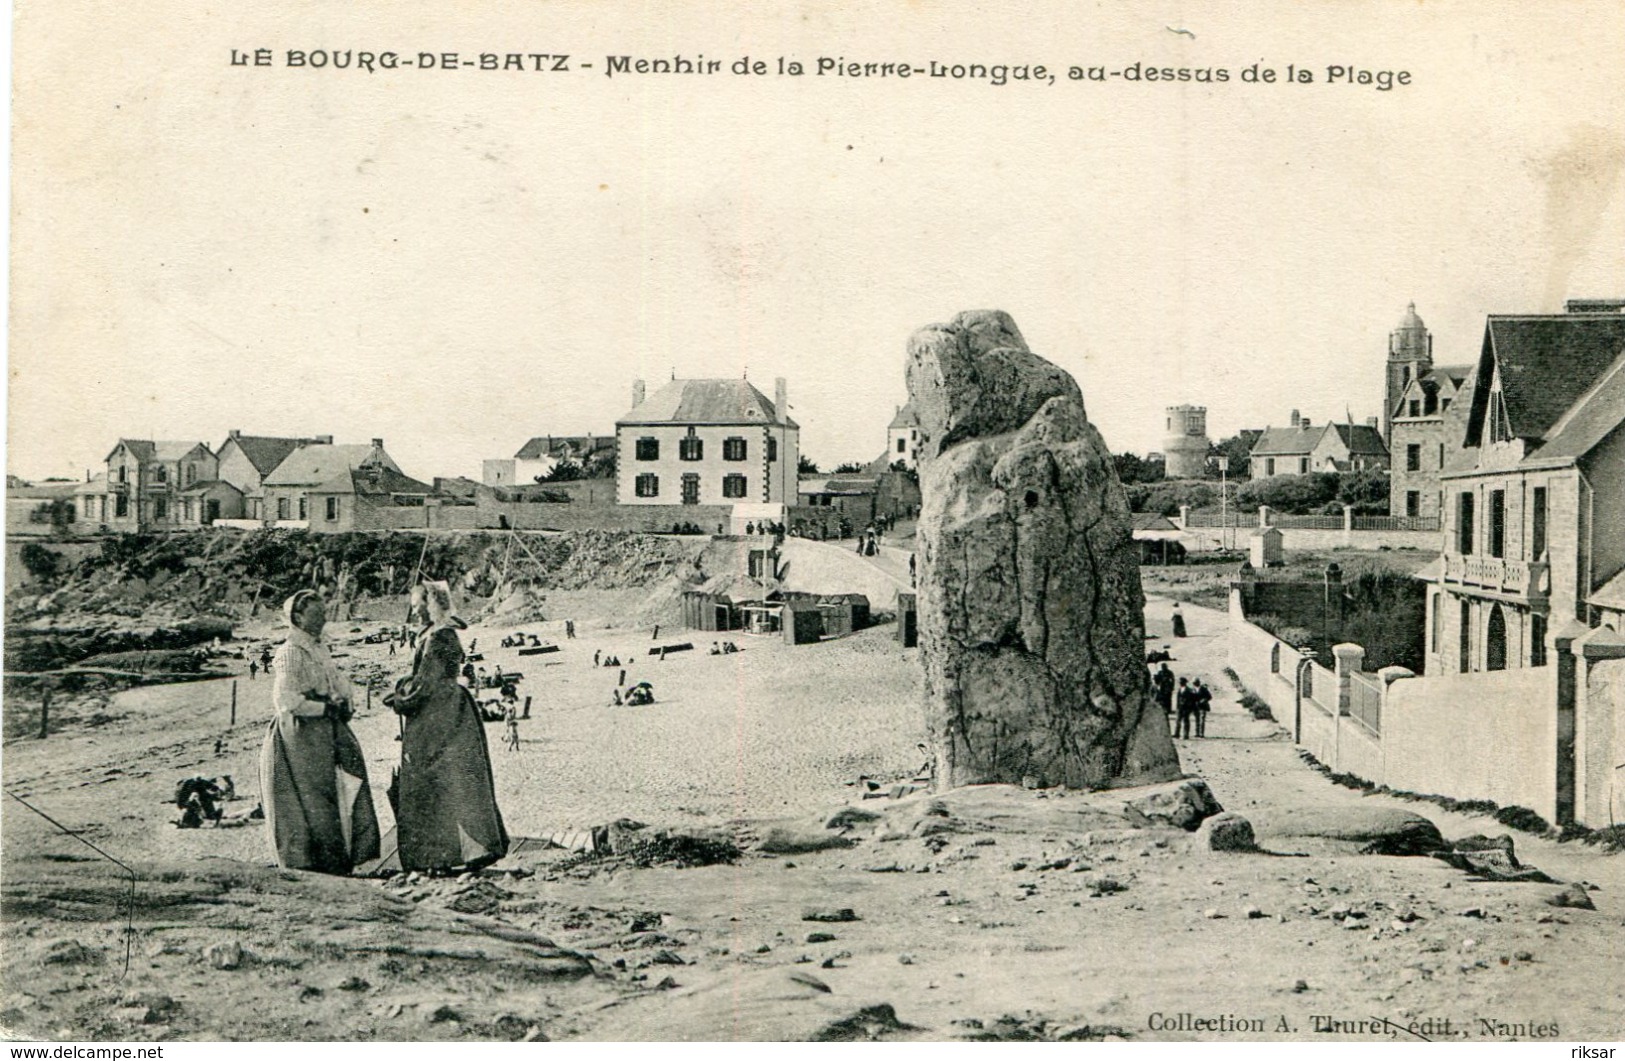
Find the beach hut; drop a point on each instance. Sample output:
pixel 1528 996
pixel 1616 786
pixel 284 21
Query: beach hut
pixel 803 623
pixel 844 613
pixel 708 611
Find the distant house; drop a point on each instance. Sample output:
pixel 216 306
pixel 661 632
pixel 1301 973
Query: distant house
pixel 1303 448
pixel 1534 484
pixel 144 481
pixel 851 496
pixel 355 498
pixel 903 436
pixel 203 503
pixel 245 461
pixel 320 467
pixel 706 442
pixel 538 457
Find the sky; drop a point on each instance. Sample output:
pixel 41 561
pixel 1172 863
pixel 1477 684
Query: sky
pixel 456 261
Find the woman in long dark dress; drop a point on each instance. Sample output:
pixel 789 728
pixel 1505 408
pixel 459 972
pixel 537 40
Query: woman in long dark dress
pixel 313 779
pixel 448 816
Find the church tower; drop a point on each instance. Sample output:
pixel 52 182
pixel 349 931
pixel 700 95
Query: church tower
pixel 1410 354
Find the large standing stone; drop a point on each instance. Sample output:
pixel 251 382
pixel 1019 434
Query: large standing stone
pixel 1031 615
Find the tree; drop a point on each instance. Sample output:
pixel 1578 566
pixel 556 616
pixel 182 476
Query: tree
pixel 902 467
pixel 848 468
pixel 1132 468
pixel 1365 492
pixel 805 466
pixel 563 471
pixel 1233 454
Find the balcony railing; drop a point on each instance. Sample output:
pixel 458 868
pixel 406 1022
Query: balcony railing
pixel 1523 578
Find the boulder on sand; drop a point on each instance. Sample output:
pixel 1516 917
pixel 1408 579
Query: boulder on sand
pixel 1373 829
pixel 1183 804
pixel 1031 614
pixel 1225 832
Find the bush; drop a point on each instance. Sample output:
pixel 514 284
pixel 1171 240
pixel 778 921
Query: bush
pixel 40 562
pixel 1292 494
pixel 1165 498
pixel 1364 492
pixel 1522 818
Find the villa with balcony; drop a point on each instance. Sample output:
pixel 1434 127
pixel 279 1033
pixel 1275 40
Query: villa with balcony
pixel 1534 492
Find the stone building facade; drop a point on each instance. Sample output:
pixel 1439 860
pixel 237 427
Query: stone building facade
pixel 1302 448
pixel 142 488
pixel 1416 396
pixel 245 461
pixel 321 469
pixel 1534 493
pixel 706 442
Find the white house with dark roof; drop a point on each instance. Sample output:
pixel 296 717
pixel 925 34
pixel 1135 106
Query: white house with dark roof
pixel 309 469
pixel 706 442
pixel 1303 448
pixel 245 461
pixel 903 435
pixel 355 498
pixel 538 457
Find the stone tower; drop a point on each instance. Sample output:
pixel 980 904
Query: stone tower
pixel 1184 443
pixel 1410 354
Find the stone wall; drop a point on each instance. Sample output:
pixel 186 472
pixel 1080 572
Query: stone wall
pixel 1265 664
pixel 1468 736
pixel 1475 736
pixel 1207 539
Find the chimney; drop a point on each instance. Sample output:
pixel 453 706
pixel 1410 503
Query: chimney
pixel 322 440
pixel 1304 423
pixel 377 444
pixel 637 393
pixel 1371 422
pixel 234 433
pixel 1296 419
pixel 781 397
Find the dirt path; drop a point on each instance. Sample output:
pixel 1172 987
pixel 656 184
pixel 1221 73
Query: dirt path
pixel 993 913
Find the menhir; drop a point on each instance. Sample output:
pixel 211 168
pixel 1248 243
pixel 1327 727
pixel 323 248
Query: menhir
pixel 1031 615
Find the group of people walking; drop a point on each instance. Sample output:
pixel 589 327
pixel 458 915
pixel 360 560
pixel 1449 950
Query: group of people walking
pixel 318 802
pixel 1185 702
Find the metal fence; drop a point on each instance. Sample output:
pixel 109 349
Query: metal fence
pixel 1396 523
pixel 1284 521
pixel 1365 701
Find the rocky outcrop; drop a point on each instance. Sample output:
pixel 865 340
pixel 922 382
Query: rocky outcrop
pixel 1030 608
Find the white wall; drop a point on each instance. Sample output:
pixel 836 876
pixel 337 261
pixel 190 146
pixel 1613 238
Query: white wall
pixel 1475 736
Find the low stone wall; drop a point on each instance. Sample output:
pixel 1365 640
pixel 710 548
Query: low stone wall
pixel 1207 539
pixel 598 515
